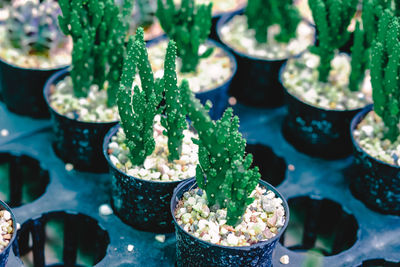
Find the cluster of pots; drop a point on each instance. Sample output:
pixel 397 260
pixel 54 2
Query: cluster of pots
pixel 149 205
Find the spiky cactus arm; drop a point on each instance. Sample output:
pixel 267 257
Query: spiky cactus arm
pixel 332 18
pixel 262 14
pixel 363 38
pixel 174 121
pixel 98 44
pixel 385 71
pixel 223 170
pixel 189 27
pixel 359 59
pixel 137 110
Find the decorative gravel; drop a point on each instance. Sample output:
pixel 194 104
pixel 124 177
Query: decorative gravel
pixel 211 72
pixel 370 136
pixel 236 34
pixel 221 6
pixel 263 219
pixel 300 78
pixel 59 58
pixel 92 108
pixel 156 167
pixel 6 229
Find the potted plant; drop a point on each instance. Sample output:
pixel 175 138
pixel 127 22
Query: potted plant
pixel 227 216
pixel 32 48
pixel 82 100
pixel 325 89
pixel 207 66
pixel 152 151
pixel 375 131
pixel 7 234
pixel 262 39
pixel 143 15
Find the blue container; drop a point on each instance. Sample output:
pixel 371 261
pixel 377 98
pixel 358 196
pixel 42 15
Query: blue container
pixel 192 251
pixel 77 142
pixel 4 254
pixel 376 183
pixel 22 89
pixel 257 80
pixel 218 95
pixel 140 203
pixel 317 131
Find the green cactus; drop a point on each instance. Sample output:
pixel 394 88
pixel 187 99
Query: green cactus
pixel 332 18
pixel 174 120
pixel 223 171
pixel 385 71
pixel 98 38
pixel 32 26
pixel 137 110
pixel 363 38
pixel 189 26
pixel 261 14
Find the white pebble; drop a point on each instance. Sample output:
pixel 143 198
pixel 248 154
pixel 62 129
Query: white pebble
pixel 232 240
pixel 69 167
pixel 4 132
pixel 130 248
pixel 105 210
pixel 160 238
pixel 284 259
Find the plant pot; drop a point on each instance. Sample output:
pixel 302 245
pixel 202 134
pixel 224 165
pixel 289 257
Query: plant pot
pixel 376 183
pixel 77 142
pixel 140 203
pixel 4 254
pixel 317 131
pixel 22 89
pixel 192 251
pixel 218 95
pixel 217 16
pixel 256 82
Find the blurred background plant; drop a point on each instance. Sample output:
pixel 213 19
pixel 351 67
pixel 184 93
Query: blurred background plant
pixel 189 26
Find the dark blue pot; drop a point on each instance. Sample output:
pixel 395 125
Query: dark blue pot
pixel 257 80
pixel 142 204
pixel 317 131
pixel 216 17
pixel 192 251
pixel 375 182
pixel 77 142
pixel 4 254
pixel 218 95
pixel 22 89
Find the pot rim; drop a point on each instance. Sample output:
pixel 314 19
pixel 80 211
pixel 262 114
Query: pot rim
pixel 353 125
pixel 13 65
pixel 282 69
pixel 244 248
pixel 46 93
pixel 14 234
pixel 214 43
pixel 227 17
pixel 106 142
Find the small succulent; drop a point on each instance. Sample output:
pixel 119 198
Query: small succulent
pixel 98 29
pixel 224 171
pixel 138 107
pixel 385 73
pixel 32 26
pixel 189 26
pixel 263 13
pixel 332 18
